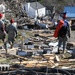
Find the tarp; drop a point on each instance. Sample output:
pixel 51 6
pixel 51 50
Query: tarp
pixel 70 11
pixel 53 44
pixel 2 8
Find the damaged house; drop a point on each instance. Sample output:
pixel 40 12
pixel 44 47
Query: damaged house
pixel 34 9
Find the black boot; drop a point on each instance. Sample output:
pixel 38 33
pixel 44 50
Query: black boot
pixel 58 51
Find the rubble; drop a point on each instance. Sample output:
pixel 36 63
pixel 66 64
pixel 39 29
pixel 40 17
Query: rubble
pixel 38 59
pixel 37 49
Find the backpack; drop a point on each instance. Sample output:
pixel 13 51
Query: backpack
pixel 2 34
pixel 63 30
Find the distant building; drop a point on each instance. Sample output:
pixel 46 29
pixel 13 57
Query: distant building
pixel 34 9
pixel 50 9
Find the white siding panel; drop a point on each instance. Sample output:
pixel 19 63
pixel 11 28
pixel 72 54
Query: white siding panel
pixel 32 12
pixel 41 12
pixel 36 14
pixel 26 7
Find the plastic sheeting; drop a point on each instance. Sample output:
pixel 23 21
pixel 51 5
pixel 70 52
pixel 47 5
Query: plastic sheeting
pixel 53 44
pixel 2 8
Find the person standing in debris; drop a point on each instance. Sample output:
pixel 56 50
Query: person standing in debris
pixel 12 33
pixel 62 31
pixel 2 31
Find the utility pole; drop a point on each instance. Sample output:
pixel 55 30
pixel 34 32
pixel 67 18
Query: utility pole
pixel 36 9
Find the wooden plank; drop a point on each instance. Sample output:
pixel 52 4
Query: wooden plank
pixel 45 35
pixel 36 62
pixel 24 58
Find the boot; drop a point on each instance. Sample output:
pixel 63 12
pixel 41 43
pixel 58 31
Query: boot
pixel 58 51
pixel 11 46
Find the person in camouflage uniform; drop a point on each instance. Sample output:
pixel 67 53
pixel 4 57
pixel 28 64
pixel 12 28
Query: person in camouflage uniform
pixel 12 33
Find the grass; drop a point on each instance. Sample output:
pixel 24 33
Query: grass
pixel 27 34
pixel 4 60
